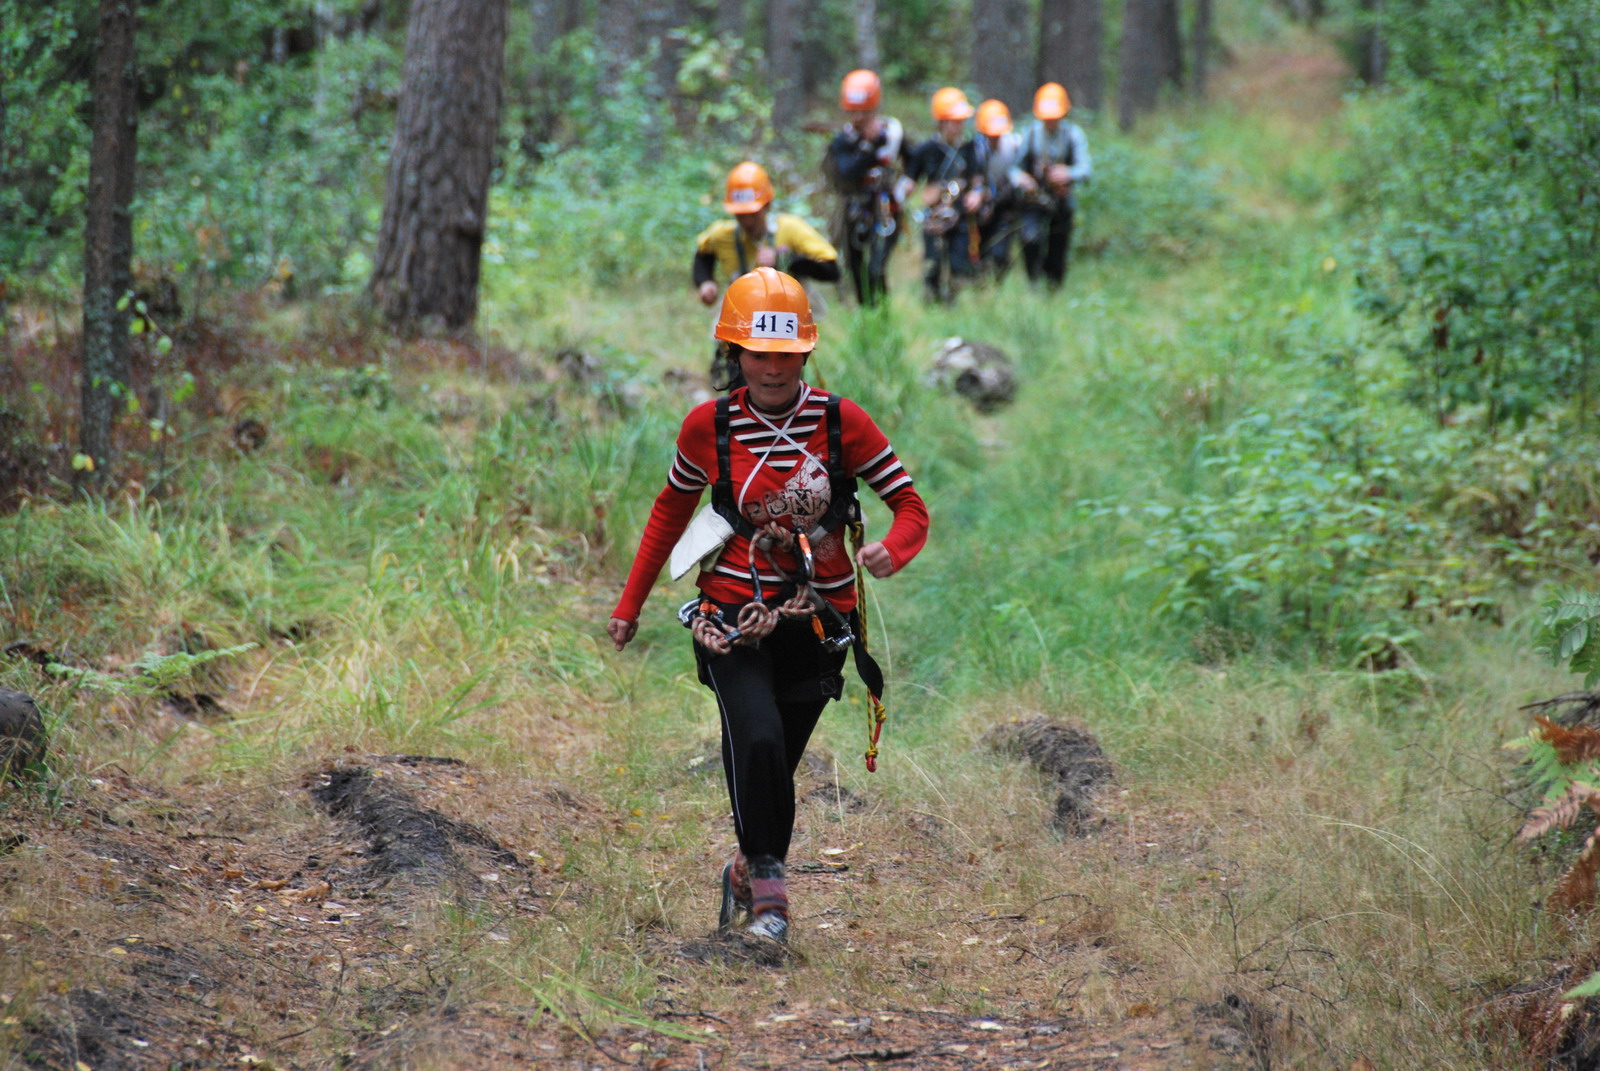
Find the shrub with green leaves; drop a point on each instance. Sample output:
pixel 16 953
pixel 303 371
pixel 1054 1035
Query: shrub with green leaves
pixel 1320 526
pixel 1480 172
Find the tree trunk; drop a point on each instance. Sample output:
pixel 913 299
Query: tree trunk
pixel 867 56
pixel 1200 44
pixel 1000 47
pixel 617 30
pixel 732 23
pixel 436 197
pixel 785 33
pixel 1170 37
pixel 825 53
pixel 1374 59
pixel 1071 42
pixel 108 230
pixel 1139 84
pixel 658 19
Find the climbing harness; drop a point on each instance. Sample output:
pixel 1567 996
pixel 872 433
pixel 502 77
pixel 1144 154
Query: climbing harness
pixel 757 619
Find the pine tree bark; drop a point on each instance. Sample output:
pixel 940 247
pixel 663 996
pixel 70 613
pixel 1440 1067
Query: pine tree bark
pixel 1200 49
pixel 1000 47
pixel 437 195
pixel 617 30
pixel 1373 63
pixel 108 230
pixel 1170 40
pixel 785 37
pixel 866 18
pixel 732 21
pixel 658 21
pixel 1071 46
pixel 1139 84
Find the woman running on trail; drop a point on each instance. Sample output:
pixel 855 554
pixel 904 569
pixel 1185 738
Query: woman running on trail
pixel 777 611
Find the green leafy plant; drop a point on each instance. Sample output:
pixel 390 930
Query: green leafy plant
pixel 153 673
pixel 1571 633
pixel 1480 171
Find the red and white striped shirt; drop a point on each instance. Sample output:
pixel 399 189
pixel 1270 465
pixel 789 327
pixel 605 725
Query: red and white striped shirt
pixel 778 463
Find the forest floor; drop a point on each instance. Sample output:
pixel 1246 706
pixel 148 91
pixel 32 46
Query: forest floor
pixel 364 910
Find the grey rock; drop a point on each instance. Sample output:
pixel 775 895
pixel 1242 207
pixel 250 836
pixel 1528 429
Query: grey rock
pixel 975 370
pixel 22 734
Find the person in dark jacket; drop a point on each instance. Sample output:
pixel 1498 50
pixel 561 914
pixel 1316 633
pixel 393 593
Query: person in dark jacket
pixel 938 164
pixel 864 159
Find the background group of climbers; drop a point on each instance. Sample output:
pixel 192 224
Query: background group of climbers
pixel 980 193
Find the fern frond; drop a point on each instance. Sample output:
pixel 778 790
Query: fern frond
pixel 1576 889
pixel 1558 815
pixel 1574 745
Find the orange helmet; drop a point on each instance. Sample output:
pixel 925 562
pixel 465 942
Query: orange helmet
pixel 767 310
pixel 951 103
pixel 994 118
pixel 860 92
pixel 749 189
pixel 1051 101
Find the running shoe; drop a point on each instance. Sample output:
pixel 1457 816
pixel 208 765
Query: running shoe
pixel 734 905
pixel 773 925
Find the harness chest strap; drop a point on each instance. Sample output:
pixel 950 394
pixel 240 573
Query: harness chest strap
pixel 842 505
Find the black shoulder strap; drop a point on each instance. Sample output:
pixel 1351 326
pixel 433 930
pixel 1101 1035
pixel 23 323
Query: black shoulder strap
pixel 843 506
pixel 722 499
pixel 835 436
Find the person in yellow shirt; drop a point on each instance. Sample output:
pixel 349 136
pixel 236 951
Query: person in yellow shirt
pixel 756 238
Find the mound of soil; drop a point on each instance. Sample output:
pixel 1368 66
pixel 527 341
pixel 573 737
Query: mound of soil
pixel 1069 756
pixel 407 842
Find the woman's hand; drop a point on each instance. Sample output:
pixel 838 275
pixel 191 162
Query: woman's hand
pixel 708 292
pixel 622 632
pixel 874 558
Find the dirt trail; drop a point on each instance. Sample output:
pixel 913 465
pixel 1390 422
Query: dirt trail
pixel 195 931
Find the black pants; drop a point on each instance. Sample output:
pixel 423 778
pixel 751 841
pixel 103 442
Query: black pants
pixel 866 254
pixel 1046 240
pixel 770 698
pixel 995 237
pixel 944 260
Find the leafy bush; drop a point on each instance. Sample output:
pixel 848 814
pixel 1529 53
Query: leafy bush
pixel 40 177
pixel 1480 173
pixel 1317 529
pixel 1147 198
pixel 272 172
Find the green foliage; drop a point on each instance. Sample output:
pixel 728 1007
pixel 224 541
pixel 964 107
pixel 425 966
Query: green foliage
pixel 269 173
pixel 1570 633
pixel 40 177
pixel 1480 173
pixel 153 674
pixel 1312 528
pixel 1149 197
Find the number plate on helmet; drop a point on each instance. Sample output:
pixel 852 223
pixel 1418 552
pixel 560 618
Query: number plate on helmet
pixel 775 325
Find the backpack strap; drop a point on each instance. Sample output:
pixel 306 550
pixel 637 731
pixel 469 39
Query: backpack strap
pixel 722 499
pixel 843 506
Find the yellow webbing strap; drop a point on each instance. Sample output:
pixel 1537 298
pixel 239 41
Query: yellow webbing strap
pixel 877 713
